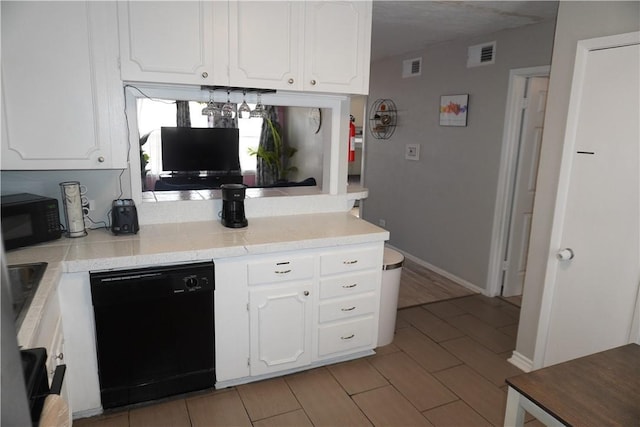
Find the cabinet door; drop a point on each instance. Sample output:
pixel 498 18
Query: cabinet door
pixel 173 41
pixel 337 46
pixel 280 327
pixel 264 44
pixel 62 101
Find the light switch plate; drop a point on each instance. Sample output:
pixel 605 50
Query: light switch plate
pixel 412 152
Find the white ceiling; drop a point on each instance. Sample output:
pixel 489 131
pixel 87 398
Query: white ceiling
pixel 405 26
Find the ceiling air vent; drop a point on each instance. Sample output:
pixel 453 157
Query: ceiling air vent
pixel 411 67
pixel 481 54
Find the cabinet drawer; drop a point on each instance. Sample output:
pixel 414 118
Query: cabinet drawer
pixel 345 336
pixel 347 307
pixel 280 269
pixel 353 260
pixel 349 284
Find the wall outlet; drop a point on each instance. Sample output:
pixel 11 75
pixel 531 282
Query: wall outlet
pixel 382 222
pixel 412 152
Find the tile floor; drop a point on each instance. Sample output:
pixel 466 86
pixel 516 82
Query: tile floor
pixel 419 285
pixel 446 367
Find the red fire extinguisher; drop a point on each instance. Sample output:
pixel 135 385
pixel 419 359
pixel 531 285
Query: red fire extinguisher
pixel 352 139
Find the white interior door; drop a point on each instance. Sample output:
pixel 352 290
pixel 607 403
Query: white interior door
pixel 525 186
pixel 591 298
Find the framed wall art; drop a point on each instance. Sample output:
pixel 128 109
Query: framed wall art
pixel 453 110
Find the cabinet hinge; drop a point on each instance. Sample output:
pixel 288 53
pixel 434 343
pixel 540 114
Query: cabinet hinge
pixel 525 103
pixel 247 306
pixel 248 361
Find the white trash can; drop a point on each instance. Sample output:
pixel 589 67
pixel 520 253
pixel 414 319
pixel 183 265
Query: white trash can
pixel 391 271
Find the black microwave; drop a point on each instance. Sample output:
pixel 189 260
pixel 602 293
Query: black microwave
pixel 28 219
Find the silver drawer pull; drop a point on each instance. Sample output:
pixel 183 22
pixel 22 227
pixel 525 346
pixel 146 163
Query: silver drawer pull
pixel 348 338
pixel 283 271
pixel 350 286
pixel 348 309
pixel 354 261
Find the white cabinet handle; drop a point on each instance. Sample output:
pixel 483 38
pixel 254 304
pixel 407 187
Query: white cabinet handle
pixel 565 254
pixel 348 338
pixel 205 75
pixel 290 81
pixel 350 286
pixel 348 309
pixel 354 261
pixel 101 159
pixel 313 82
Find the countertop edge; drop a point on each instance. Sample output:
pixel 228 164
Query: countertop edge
pixel 362 233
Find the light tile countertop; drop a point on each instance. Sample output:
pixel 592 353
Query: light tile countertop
pixel 183 242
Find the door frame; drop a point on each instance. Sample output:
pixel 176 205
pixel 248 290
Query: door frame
pixel 548 292
pixel 507 172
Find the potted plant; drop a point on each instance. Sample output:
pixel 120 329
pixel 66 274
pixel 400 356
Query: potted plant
pixel 274 153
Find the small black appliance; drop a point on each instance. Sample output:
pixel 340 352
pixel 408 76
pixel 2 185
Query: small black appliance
pixel 124 217
pixel 233 205
pixel 155 332
pixel 28 219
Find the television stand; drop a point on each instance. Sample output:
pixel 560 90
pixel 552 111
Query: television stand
pixel 198 181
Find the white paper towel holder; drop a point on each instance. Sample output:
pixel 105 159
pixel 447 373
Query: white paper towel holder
pixel 72 202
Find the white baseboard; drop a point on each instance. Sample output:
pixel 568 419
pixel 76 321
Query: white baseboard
pixel 521 362
pixel 442 272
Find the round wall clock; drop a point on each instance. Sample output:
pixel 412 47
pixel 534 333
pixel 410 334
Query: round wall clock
pixel 315 117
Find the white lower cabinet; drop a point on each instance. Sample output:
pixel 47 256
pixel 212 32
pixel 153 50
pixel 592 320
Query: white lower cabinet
pixel 49 335
pixel 81 378
pixel 349 300
pixel 342 337
pixel 280 327
pixel 295 310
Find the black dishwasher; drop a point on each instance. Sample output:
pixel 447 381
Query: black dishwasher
pixel 154 332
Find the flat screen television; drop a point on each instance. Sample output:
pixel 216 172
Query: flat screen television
pixel 200 149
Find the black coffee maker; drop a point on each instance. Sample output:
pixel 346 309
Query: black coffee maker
pixel 233 205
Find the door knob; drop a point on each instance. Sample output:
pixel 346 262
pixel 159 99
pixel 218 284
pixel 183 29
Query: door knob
pixel 565 254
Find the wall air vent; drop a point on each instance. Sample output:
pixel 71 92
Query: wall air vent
pixel 481 54
pixel 411 67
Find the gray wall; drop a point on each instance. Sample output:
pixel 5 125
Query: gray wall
pixel 102 186
pixel 576 21
pixel 440 209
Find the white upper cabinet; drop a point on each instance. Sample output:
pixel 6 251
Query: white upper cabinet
pixel 174 41
pixel 308 46
pixel 337 46
pixel 265 44
pixel 288 45
pixel 62 102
